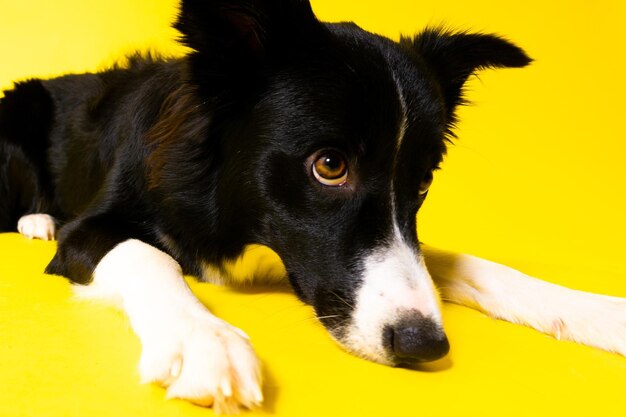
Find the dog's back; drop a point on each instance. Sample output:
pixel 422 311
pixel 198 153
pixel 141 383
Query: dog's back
pixel 59 138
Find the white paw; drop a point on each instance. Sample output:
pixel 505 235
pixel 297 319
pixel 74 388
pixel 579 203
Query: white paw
pixel 596 320
pixel 203 359
pixel 37 226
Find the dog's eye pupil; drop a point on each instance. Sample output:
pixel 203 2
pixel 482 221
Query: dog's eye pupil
pixel 330 168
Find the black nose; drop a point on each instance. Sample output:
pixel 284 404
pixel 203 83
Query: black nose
pixel 416 339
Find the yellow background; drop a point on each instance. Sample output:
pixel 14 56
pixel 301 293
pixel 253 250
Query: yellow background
pixel 536 181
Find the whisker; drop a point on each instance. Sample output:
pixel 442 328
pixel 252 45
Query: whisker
pixel 332 316
pixel 342 300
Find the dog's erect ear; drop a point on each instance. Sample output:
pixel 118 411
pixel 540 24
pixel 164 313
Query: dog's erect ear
pixel 454 56
pixel 233 40
pixel 241 30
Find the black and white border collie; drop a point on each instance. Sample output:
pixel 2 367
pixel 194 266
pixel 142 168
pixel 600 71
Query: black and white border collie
pixel 316 140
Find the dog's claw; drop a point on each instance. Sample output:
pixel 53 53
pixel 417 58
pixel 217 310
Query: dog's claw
pixel 207 362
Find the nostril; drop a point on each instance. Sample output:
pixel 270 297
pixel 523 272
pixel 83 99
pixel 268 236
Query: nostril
pixel 406 341
pixel 417 339
pixel 418 344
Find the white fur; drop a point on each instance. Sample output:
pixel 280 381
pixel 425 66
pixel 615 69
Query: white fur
pixel 395 280
pixel 37 226
pixel 504 293
pixel 405 120
pixel 185 348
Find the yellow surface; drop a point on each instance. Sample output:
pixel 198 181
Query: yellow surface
pixel 536 181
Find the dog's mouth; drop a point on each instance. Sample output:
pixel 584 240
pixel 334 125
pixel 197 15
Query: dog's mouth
pixel 385 331
pixel 387 311
pixel 410 340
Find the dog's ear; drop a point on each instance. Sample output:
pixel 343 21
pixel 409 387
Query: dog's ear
pixel 241 30
pixel 453 57
pixel 232 40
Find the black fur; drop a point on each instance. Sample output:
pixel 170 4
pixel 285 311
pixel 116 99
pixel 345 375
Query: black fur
pixel 25 122
pixel 202 155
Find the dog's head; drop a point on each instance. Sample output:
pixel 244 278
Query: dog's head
pixel 328 137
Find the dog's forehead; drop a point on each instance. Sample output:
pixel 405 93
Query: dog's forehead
pixel 337 101
pixel 361 92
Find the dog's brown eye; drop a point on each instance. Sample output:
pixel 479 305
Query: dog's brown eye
pixel 426 183
pixel 330 168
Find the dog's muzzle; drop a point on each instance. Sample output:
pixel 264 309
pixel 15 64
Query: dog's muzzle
pixel 396 317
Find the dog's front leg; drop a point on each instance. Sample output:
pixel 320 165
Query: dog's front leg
pixel 504 293
pixel 199 357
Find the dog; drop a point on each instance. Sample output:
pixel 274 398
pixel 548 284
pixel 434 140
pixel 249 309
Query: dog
pixel 316 140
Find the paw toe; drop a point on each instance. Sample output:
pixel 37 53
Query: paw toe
pixel 37 226
pixel 158 368
pixel 212 364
